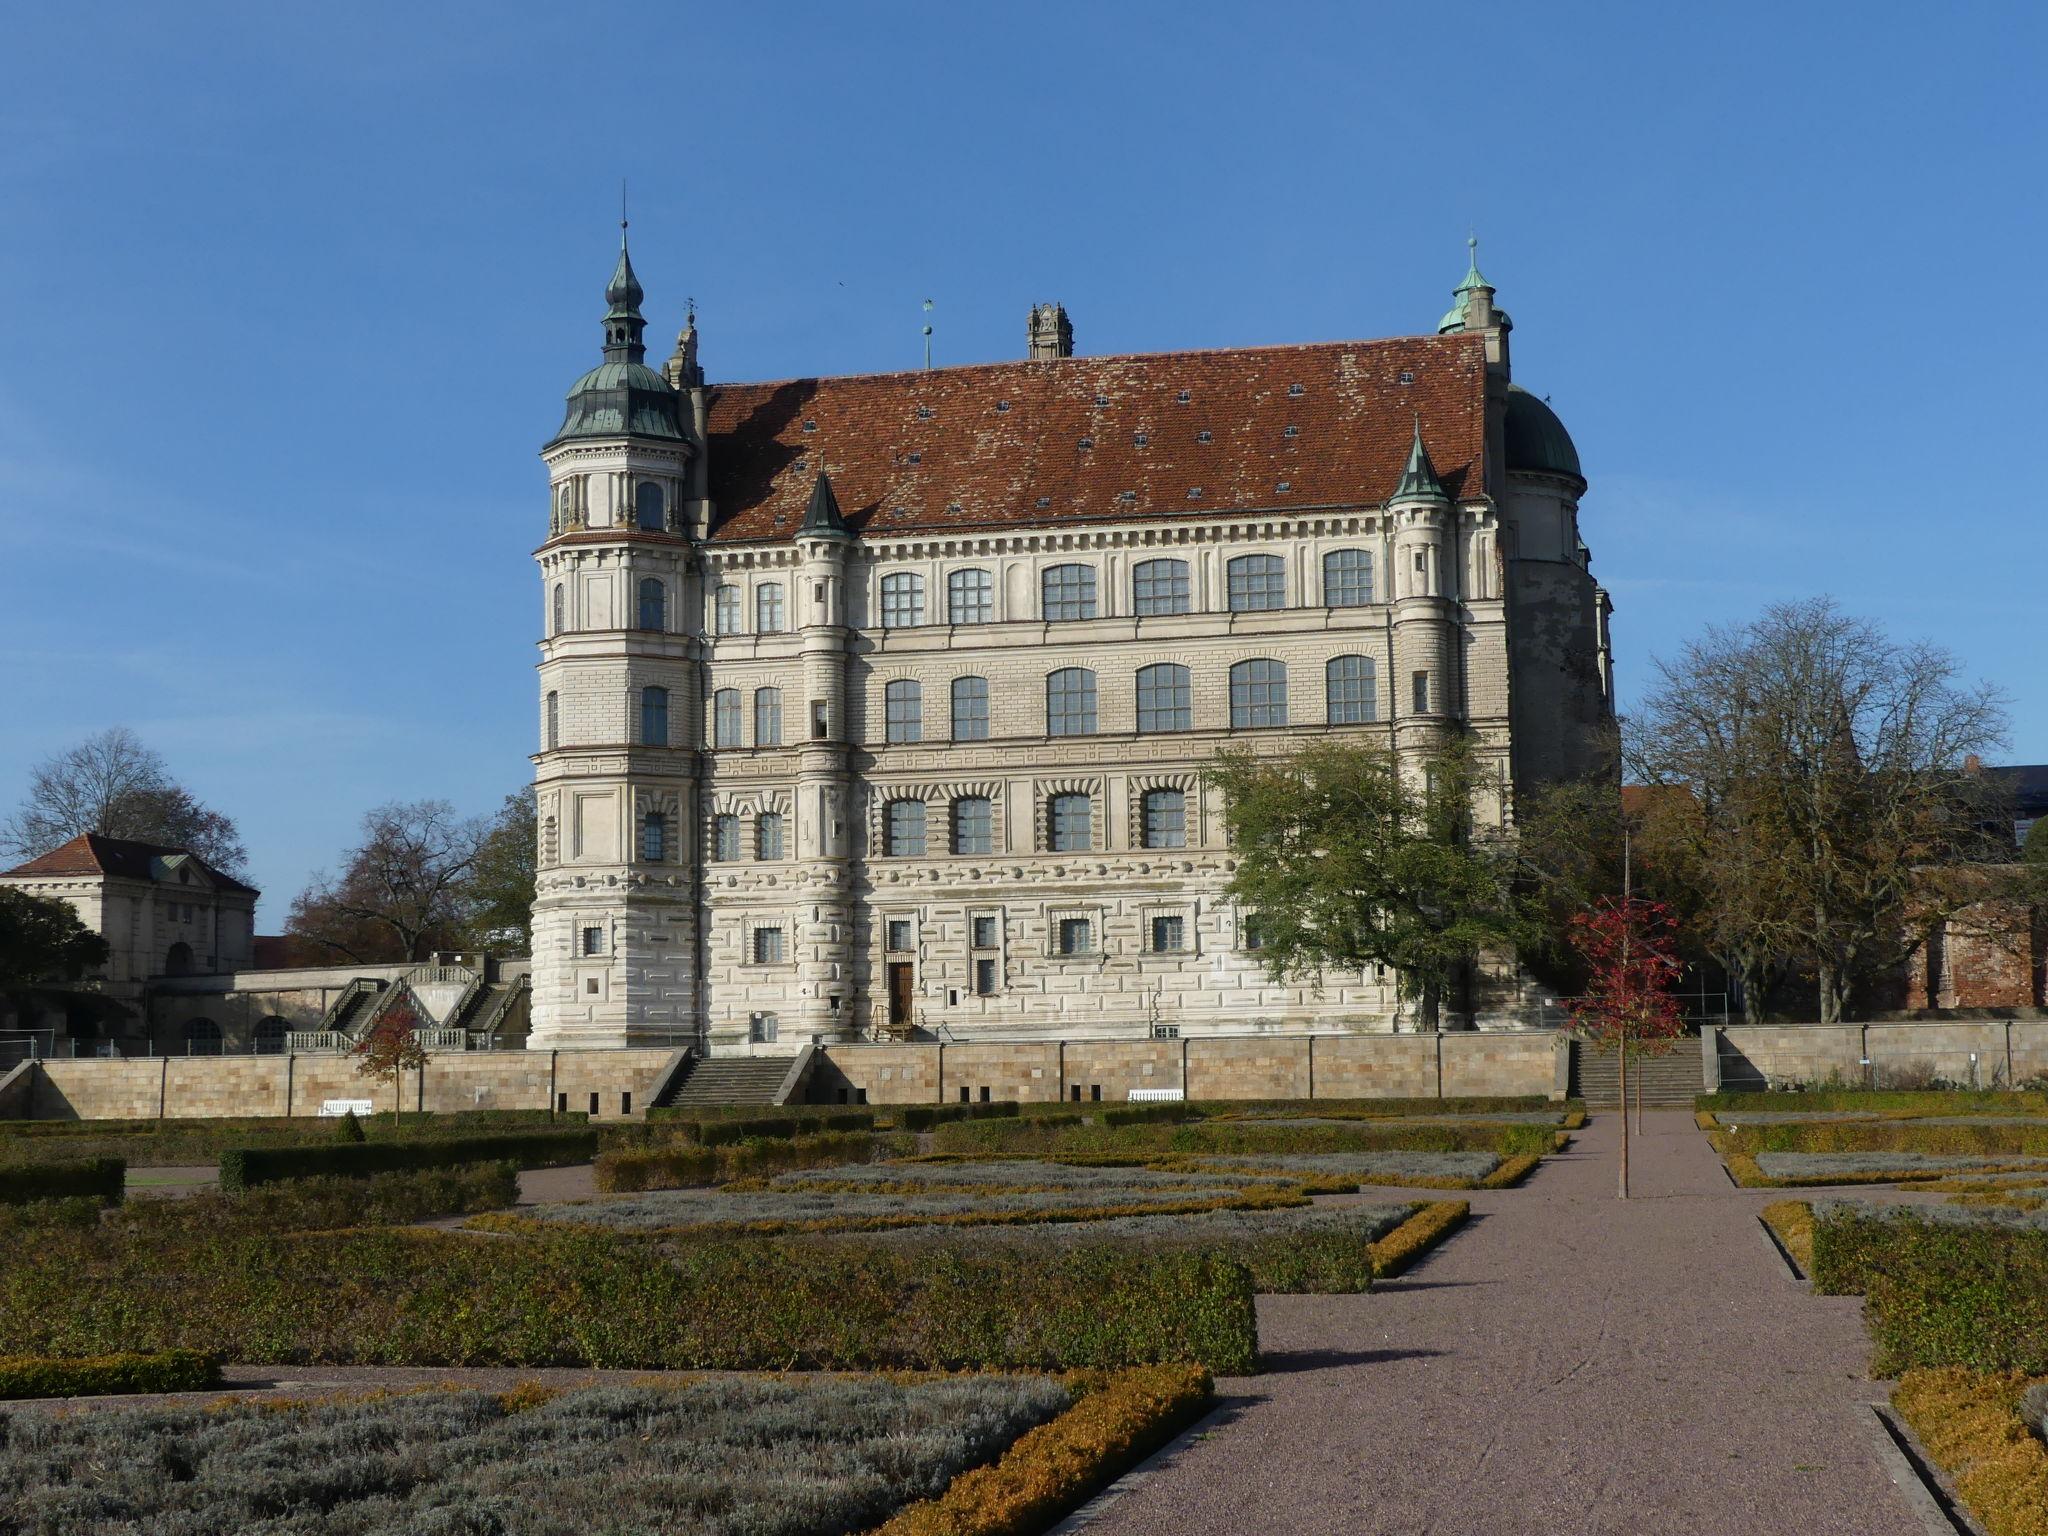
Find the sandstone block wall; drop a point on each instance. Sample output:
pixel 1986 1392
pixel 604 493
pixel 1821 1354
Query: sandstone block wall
pixel 2008 1052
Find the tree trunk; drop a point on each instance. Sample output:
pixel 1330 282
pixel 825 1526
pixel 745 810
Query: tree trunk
pixel 1432 1004
pixel 1623 1108
pixel 1639 1098
pixel 1833 992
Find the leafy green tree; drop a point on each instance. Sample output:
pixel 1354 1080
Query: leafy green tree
pixel 500 886
pixel 43 943
pixel 1346 860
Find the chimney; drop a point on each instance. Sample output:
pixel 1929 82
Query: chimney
pixel 1051 334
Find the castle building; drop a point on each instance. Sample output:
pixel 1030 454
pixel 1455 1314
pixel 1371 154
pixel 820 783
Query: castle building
pixel 880 705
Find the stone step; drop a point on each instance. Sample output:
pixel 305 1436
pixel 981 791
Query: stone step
pixel 1665 1080
pixel 740 1081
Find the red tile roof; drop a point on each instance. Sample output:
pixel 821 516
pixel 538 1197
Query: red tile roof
pixel 1002 444
pixel 91 854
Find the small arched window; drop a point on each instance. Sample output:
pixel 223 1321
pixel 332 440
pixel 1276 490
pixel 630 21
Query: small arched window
pixel 903 830
pixel 554 728
pixel 725 718
pixel 1257 582
pixel 1069 823
pixel 555 627
pixel 650 507
pixel 903 710
pixel 1165 698
pixel 653 717
pixel 1258 694
pixel 654 837
pixel 1159 586
pixel 1070 702
pixel 902 600
pixel 970 709
pixel 202 1037
pixel 269 1036
pixel 768 608
pixel 973 824
pixel 725 610
pixel 970 597
pixel 1347 578
pixel 767 717
pixel 653 604
pixel 1165 815
pixel 1351 690
pixel 1067 592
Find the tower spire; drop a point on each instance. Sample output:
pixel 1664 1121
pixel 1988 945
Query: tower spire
pixel 1419 479
pixel 623 322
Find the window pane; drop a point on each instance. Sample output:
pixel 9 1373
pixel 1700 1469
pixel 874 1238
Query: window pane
pixel 728 611
pixel 1347 578
pixel 970 597
pixel 593 941
pixel 767 946
pixel 647 507
pixel 1352 690
pixel 1165 698
pixel 1258 694
pixel 725 718
pixel 768 608
pixel 1257 582
pixel 1077 936
pixel 902 600
pixel 1167 934
pixel 984 933
pixel 1070 824
pixel 554 721
pixel 654 717
pixel 1419 687
pixel 1069 592
pixel 768 835
pixel 1166 819
pixel 1159 586
pixel 905 834
pixel 767 717
pixel 1070 702
pixel 899 935
pixel 970 709
pixel 973 825
pixel 903 711
pixel 654 838
pixel 984 977
pixel 653 604
pixel 726 837
pixel 557 626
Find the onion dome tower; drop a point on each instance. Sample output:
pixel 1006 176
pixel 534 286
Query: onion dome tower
pixel 615 951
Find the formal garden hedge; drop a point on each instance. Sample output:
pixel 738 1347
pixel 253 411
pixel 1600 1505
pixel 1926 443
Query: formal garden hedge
pixel 689 1165
pixel 1907 1102
pixel 1117 1423
pixel 924 1117
pixel 413 1296
pixel 1036 1138
pixel 167 1143
pixel 1974 1428
pixel 688 1124
pixel 171 1370
pixel 246 1167
pixel 1430 1225
pixel 1945 1140
pixel 86 1178
pixel 1939 1291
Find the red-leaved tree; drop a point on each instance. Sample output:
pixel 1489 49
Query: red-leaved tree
pixel 391 1048
pixel 1630 949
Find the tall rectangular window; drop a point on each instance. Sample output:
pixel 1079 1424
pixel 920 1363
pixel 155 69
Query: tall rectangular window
pixel 654 837
pixel 973 824
pixel 985 975
pixel 1347 578
pixel 903 829
pixel 554 720
pixel 1166 818
pixel 902 600
pixel 725 610
pixel 768 608
pixel 1258 694
pixel 821 719
pixel 725 836
pixel 1419 690
pixel 970 597
pixel 1077 936
pixel 1166 698
pixel 593 941
pixel 768 946
pixel 970 709
pixel 653 717
pixel 768 835
pixel 1068 592
pixel 1070 702
pixel 1351 692
pixel 896 935
pixel 725 718
pixel 903 710
pixel 1159 586
pixel 767 717
pixel 1257 582
pixel 986 932
pixel 1070 823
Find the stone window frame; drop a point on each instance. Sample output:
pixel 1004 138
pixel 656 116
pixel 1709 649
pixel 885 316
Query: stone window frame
pixel 771 616
pixel 1087 912
pixel 752 925
pixel 1358 583
pixel 668 806
pixel 903 712
pixel 1147 683
pixel 1368 682
pixel 728 609
pixel 722 737
pixel 1178 596
pixel 1189 785
pixel 1043 790
pixel 996 953
pixel 768 710
pixel 965 595
pixel 1084 683
pixel 1073 585
pixel 1248 580
pixel 900 600
pixel 938 798
pixel 1250 707
pixel 1182 911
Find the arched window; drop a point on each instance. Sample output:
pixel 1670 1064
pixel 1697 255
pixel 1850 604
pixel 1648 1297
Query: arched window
pixel 767 717
pixel 1159 586
pixel 653 603
pixel 269 1036
pixel 653 717
pixel 903 710
pixel 1165 698
pixel 725 836
pixel 725 610
pixel 1068 592
pixel 1258 694
pixel 202 1037
pixel 1347 578
pixel 654 837
pixel 554 736
pixel 904 829
pixel 1070 702
pixel 1351 691
pixel 1165 818
pixel 970 709
pixel 725 718
pixel 768 609
pixel 902 600
pixel 650 507
pixel 555 628
pixel 970 597
pixel 1257 582
pixel 1069 823
pixel 973 824
pixel 768 835
pixel 178 961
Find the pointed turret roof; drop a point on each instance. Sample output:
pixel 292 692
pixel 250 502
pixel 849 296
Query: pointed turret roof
pixel 622 396
pixel 1454 318
pixel 1418 481
pixel 822 519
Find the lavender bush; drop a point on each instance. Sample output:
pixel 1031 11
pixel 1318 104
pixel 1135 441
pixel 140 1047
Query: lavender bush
pixel 1818 1165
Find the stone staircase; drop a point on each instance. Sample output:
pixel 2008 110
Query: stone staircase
pixel 1672 1080
pixel 727 1080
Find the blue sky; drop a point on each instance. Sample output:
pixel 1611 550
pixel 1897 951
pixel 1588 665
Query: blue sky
pixel 293 293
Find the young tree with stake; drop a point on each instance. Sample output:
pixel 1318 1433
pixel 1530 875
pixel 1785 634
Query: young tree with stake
pixel 391 1049
pixel 1630 952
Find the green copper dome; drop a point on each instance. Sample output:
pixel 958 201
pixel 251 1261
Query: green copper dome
pixel 1536 440
pixel 622 396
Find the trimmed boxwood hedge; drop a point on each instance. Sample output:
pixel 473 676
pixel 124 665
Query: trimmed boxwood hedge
pixel 171 1370
pixel 724 1132
pixel 413 1296
pixel 246 1167
pixel 688 1165
pixel 93 1178
pixel 922 1117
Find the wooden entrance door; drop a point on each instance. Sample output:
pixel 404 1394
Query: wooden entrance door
pixel 899 994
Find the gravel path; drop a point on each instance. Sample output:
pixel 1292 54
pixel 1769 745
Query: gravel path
pixel 1567 1364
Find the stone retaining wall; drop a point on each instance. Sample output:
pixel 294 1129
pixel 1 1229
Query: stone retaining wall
pixel 2008 1052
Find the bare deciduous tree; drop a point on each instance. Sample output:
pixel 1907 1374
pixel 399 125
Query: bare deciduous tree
pixel 403 891
pixel 117 786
